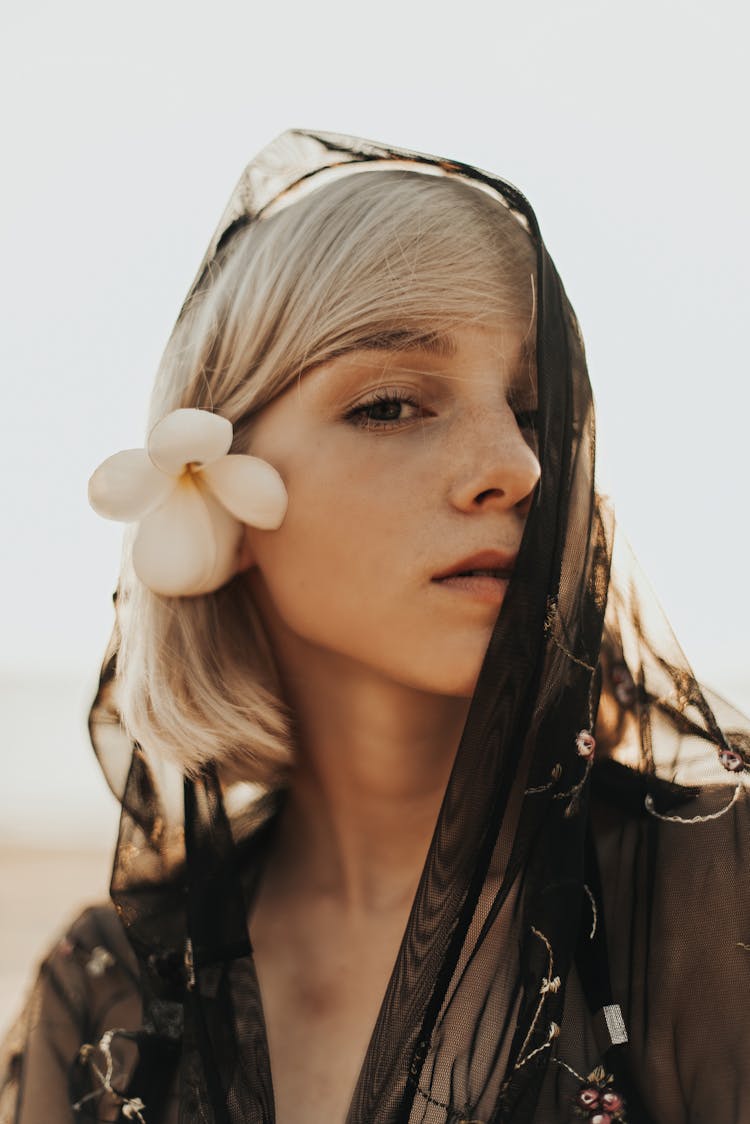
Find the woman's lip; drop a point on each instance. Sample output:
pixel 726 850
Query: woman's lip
pixel 480 587
pixel 483 560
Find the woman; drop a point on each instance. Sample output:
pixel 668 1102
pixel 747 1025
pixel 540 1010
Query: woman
pixel 425 817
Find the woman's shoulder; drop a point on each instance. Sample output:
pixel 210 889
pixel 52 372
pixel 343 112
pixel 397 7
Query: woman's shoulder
pixel 676 897
pixel 96 927
pixel 90 957
pixel 85 982
pixel 675 857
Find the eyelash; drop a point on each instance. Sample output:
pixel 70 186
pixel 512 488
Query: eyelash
pixel 383 397
pixel 527 419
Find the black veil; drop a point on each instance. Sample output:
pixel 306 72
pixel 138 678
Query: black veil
pixel 571 895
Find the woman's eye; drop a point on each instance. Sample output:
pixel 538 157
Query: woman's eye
pixel 383 411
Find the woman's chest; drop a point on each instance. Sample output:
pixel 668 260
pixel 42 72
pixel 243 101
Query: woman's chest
pixel 321 992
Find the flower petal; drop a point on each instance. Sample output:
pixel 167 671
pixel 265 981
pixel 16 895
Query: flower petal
pixel 188 436
pixel 127 486
pixel 174 550
pixel 250 488
pixel 227 533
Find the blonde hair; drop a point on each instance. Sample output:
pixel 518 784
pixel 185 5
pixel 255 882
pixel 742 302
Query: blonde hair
pixel 382 255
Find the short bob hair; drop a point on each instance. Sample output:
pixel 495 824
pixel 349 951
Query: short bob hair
pixel 389 253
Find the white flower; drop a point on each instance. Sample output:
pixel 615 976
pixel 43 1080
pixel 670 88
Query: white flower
pixel 191 498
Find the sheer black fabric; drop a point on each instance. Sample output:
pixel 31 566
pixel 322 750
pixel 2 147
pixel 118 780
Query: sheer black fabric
pixel 579 943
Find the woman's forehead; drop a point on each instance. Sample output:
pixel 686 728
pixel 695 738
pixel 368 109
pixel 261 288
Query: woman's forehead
pixel 511 339
pixel 506 350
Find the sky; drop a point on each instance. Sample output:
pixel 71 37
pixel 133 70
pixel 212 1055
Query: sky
pixel 125 128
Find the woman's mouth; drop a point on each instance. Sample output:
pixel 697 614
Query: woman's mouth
pixel 482 585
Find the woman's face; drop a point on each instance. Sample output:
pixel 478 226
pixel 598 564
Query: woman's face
pixel 384 495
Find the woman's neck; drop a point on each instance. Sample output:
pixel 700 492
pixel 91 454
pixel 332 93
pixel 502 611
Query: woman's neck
pixel 373 763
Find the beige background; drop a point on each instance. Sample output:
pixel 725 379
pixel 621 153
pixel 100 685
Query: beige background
pixel 125 131
pixel 39 892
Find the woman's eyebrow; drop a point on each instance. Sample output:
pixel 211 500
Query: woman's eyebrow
pixel 442 344
pixel 439 343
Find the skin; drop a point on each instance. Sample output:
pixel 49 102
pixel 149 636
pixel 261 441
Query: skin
pixel 378 663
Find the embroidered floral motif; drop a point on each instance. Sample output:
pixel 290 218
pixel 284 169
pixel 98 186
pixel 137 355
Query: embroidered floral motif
pixel 454 1115
pixel 99 960
pixel 132 1107
pixel 549 985
pixel 585 743
pixel 596 1100
pixel 732 761
pixel 622 680
pixel 735 755
pixel 554 777
pixel 585 746
pixel 594 912
pixel 648 803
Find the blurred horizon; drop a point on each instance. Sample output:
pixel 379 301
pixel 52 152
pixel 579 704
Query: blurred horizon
pixel 43 722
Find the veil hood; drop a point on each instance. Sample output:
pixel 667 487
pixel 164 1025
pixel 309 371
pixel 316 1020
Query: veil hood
pixel 529 968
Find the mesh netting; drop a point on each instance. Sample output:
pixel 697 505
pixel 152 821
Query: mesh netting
pixel 578 942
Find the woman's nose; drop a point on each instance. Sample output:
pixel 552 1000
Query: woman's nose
pixel 499 465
